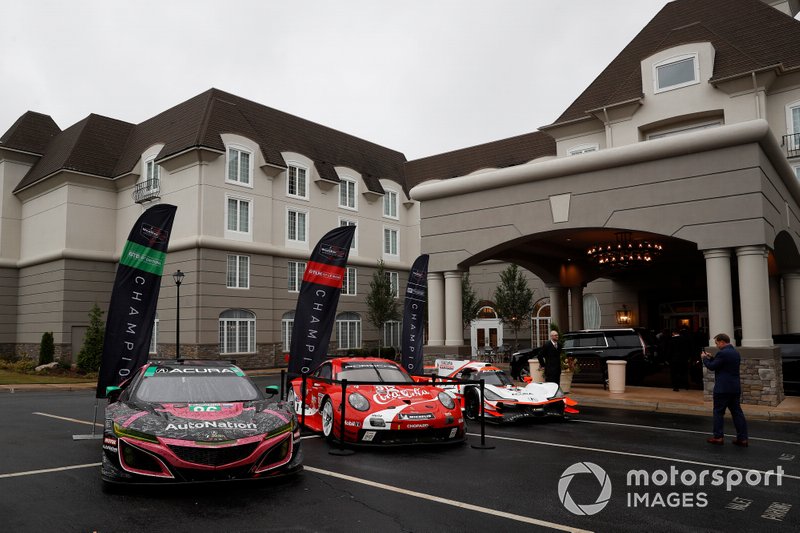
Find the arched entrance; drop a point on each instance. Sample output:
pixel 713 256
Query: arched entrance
pixel 486 331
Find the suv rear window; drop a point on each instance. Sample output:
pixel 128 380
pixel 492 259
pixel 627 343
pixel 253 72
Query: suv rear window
pixel 624 339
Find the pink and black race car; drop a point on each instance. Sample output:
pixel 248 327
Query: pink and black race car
pixel 503 400
pixel 384 405
pixel 186 421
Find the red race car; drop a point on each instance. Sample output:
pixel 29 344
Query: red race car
pixel 385 406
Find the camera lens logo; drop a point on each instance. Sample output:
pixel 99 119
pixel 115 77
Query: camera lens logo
pixel 602 498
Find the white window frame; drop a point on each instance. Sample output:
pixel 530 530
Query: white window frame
pixel 152 175
pixel 287 323
pixel 350 282
pixel 350 222
pixel 294 275
pixel 248 172
pixel 796 169
pixel 248 320
pixel 792 125
pixel 392 331
pixel 671 61
pixel 300 195
pixel 391 201
pixel 238 233
pixel 345 184
pixel 348 331
pixel 394 282
pixel 299 240
pixel 583 149
pixel 390 254
pixel 237 279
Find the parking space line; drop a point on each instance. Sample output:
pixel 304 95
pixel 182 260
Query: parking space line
pixel 637 426
pixel 48 470
pixel 69 419
pixel 446 501
pixel 630 454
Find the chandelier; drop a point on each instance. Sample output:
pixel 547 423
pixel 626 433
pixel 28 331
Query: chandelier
pixel 624 252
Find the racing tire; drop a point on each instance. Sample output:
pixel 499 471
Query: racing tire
pixel 472 404
pixel 327 419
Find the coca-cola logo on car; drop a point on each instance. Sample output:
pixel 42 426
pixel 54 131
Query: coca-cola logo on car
pixel 388 394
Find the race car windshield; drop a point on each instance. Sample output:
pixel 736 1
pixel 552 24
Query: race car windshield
pixel 172 388
pixel 372 373
pixel 496 378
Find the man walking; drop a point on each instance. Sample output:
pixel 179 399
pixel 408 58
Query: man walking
pixel 550 359
pixel 727 389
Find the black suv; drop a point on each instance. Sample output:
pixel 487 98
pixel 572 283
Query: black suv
pixel 594 347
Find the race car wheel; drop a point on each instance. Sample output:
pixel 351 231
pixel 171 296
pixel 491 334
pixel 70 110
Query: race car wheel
pixel 472 404
pixel 326 412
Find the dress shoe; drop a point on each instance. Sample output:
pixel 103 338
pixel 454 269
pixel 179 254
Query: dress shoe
pixel 716 440
pixel 740 442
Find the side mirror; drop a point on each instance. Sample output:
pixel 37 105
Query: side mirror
pixel 112 393
pixel 272 390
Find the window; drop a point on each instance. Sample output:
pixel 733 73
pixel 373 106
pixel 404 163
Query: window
pixel 582 149
pixel 391 334
pixel 390 242
pixel 683 129
pixel 793 128
pixel 349 282
pixel 347 194
pixel 238 272
pixel 296 184
pixel 676 72
pixel 394 282
pixel 343 222
pixel 390 204
pixel 591 312
pixel 287 323
pixel 238 215
pixel 154 337
pixel 152 173
pixel 237 331
pixel 348 331
pixel 297 226
pixel 295 275
pixel 239 167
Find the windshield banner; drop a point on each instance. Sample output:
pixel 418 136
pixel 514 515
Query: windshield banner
pixel 318 298
pixel 414 316
pixel 132 309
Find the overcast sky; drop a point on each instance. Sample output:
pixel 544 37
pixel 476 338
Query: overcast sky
pixel 419 76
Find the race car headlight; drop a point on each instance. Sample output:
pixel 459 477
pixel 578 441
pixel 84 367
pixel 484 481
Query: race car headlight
pixel 559 394
pixel 358 402
pixel 133 434
pixel 446 400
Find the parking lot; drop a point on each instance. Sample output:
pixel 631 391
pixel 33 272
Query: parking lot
pixel 573 475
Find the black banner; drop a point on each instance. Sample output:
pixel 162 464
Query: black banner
pixel 132 309
pixel 316 303
pixel 414 316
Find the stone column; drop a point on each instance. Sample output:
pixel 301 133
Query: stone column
pixel 720 296
pixel 453 326
pixel 558 306
pixel 775 304
pixel 791 295
pixel 754 296
pixel 576 301
pixel 435 309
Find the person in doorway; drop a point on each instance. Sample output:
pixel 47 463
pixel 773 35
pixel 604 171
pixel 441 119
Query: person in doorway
pixel 727 389
pixel 550 358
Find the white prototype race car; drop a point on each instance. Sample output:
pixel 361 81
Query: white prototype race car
pixel 503 400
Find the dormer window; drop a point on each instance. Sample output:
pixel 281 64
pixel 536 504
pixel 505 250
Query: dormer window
pixel 676 72
pixel 296 183
pixel 239 169
pixel 152 175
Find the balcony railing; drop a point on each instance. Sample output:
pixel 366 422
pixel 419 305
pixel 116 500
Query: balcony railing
pixel 792 144
pixel 147 191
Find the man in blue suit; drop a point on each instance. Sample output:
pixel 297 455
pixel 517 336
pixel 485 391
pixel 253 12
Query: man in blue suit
pixel 727 389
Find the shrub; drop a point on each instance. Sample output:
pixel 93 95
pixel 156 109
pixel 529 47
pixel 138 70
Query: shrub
pixel 46 348
pixel 91 353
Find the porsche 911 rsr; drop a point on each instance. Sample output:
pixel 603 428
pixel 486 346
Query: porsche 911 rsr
pixel 503 400
pixel 181 421
pixel 383 405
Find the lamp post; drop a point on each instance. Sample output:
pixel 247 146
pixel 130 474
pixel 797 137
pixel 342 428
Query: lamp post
pixel 178 278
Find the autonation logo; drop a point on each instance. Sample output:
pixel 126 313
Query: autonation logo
pixel 672 488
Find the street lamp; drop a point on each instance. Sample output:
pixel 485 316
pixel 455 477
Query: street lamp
pixel 178 277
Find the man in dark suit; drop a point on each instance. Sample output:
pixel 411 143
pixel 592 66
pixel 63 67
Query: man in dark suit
pixel 727 389
pixel 550 358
